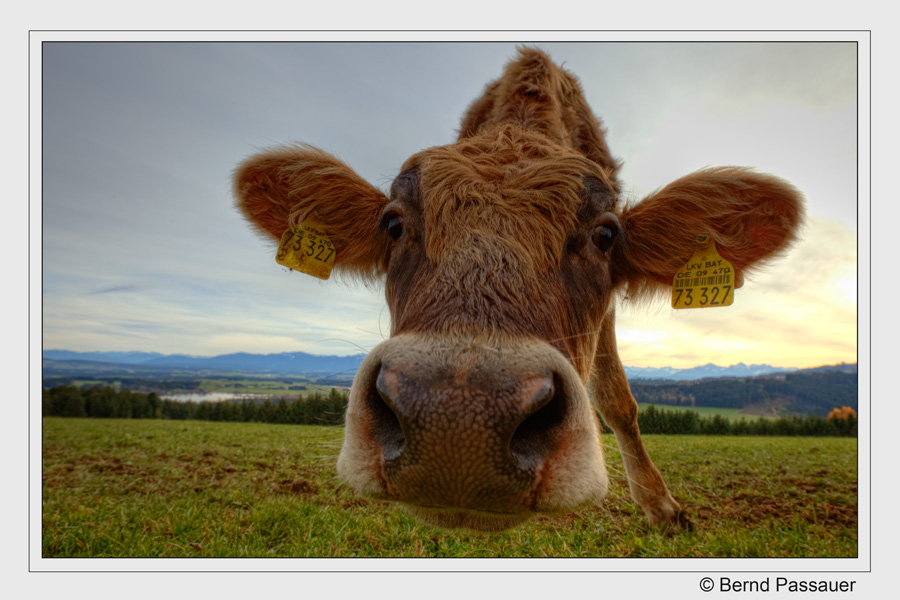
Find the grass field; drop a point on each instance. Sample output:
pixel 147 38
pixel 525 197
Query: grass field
pixel 153 488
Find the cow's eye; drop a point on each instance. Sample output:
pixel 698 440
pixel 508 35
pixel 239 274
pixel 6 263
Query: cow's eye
pixel 604 235
pixel 393 222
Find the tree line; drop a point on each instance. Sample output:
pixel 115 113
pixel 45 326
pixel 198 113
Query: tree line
pixel 328 409
pixel 106 402
pixel 655 420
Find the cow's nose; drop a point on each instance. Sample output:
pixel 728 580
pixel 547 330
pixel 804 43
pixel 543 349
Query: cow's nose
pixel 455 439
pixel 526 414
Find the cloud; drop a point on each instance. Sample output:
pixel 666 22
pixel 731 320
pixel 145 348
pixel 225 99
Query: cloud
pixel 797 312
pixel 131 287
pixel 208 316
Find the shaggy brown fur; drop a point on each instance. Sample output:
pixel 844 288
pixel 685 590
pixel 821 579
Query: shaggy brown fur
pixel 510 245
pixel 537 95
pixel 491 185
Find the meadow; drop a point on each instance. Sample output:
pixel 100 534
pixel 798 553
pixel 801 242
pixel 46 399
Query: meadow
pixel 160 488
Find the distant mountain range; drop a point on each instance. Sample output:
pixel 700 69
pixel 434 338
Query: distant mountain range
pixel 301 362
pixel 285 362
pixel 710 370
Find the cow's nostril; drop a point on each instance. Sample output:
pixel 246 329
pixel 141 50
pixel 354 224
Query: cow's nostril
pixel 386 427
pixel 534 438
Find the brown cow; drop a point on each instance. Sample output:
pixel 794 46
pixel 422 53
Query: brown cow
pixel 502 254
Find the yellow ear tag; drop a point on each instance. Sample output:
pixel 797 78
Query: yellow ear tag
pixel 306 248
pixel 707 280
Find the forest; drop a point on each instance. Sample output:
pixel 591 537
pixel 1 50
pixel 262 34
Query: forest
pixel 328 409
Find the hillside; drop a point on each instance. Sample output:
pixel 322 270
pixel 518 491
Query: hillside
pixel 813 391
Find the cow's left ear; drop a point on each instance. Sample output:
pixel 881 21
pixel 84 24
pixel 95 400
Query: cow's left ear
pixel 752 217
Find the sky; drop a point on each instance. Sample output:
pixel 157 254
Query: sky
pixel 142 248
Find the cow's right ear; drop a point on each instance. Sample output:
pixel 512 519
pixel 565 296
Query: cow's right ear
pixel 282 187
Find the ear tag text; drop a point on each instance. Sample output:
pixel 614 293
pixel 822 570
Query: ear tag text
pixel 706 281
pixel 307 249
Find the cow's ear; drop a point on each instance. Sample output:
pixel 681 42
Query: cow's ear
pixel 284 186
pixel 752 217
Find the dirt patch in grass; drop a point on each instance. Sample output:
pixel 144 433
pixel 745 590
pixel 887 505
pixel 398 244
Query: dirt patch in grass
pixel 300 487
pixel 757 508
pixel 115 466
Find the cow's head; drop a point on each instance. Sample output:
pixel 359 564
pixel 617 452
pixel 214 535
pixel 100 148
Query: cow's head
pixel 502 254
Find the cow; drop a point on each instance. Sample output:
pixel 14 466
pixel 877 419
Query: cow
pixel 503 256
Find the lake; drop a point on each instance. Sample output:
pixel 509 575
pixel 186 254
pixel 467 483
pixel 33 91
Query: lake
pixel 215 397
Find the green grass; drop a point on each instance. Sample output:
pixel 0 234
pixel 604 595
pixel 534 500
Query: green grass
pixel 129 488
pixel 732 414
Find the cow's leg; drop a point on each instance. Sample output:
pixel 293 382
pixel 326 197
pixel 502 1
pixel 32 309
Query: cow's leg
pixel 620 411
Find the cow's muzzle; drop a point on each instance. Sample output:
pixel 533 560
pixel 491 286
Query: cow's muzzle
pixel 471 434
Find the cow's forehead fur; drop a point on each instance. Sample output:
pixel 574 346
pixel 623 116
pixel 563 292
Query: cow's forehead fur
pixel 514 188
